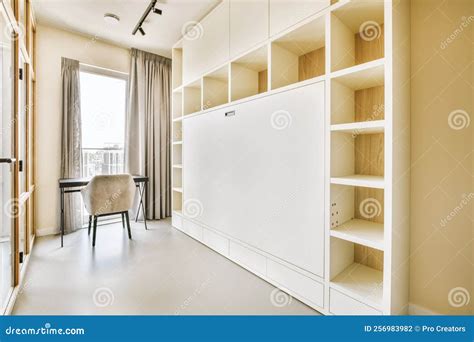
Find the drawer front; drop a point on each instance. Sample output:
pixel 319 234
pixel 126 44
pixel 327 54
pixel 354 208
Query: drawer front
pixel 340 304
pixel 217 242
pixel 177 221
pixel 248 258
pixel 192 229
pixel 296 282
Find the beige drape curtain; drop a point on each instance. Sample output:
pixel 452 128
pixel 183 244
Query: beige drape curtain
pixel 71 140
pixel 148 128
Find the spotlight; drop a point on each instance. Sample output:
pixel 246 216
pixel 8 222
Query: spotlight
pixel 141 31
pixel 157 11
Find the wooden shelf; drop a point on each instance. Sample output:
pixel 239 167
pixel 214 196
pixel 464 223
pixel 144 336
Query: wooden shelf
pixel 362 283
pixel 249 74
pixel 177 142
pixel 178 166
pixel 177 68
pixel 367 75
pixel 178 212
pixel 192 98
pixel 376 182
pixel 299 55
pixel 357 33
pixel 364 127
pixel 363 232
pixel 216 88
pixel 178 189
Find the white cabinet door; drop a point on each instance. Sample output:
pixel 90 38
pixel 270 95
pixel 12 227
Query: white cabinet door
pixel 285 13
pixel 248 24
pixel 207 46
pixel 258 176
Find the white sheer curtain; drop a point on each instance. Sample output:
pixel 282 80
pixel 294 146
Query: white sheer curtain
pixel 148 129
pixel 71 140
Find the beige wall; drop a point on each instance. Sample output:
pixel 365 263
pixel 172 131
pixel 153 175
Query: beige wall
pixel 52 44
pixel 441 183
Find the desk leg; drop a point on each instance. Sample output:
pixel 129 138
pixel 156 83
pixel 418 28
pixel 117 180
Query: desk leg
pixel 144 205
pixel 141 205
pixel 62 217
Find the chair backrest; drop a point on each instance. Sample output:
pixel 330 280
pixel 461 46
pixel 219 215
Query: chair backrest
pixel 107 194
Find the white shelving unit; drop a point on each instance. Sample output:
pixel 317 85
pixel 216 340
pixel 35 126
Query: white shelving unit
pixel 359 50
pixel 177 106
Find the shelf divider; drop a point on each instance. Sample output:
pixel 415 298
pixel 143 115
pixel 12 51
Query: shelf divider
pixel 366 181
pixel 362 232
pixel 364 127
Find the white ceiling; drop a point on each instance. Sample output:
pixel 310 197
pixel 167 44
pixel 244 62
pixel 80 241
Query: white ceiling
pixel 87 17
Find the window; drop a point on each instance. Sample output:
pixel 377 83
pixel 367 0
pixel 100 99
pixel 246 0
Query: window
pixel 103 121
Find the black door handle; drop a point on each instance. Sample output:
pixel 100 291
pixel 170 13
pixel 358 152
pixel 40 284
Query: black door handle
pixel 7 160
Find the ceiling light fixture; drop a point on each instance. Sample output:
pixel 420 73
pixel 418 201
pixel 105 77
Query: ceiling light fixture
pixel 151 7
pixel 111 18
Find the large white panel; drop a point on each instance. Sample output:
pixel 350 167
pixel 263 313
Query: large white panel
pixel 207 46
pixel 258 176
pixel 285 13
pixel 248 24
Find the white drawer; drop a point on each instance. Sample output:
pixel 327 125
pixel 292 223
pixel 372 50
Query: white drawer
pixel 248 258
pixel 340 304
pixel 177 221
pixel 217 242
pixel 192 229
pixel 301 285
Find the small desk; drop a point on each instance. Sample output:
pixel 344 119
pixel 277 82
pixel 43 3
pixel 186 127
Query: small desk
pixel 69 185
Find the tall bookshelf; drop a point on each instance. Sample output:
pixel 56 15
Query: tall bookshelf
pixel 360 50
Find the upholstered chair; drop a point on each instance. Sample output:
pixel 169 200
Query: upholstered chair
pixel 109 195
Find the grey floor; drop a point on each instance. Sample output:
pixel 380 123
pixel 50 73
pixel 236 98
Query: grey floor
pixel 161 271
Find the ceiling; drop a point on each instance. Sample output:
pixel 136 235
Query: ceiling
pixel 87 17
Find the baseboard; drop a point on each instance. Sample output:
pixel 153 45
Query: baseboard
pixel 417 310
pixel 47 231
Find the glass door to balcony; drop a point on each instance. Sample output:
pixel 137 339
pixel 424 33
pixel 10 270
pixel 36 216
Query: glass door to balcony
pixel 8 203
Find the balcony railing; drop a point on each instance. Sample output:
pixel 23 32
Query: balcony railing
pixel 102 161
